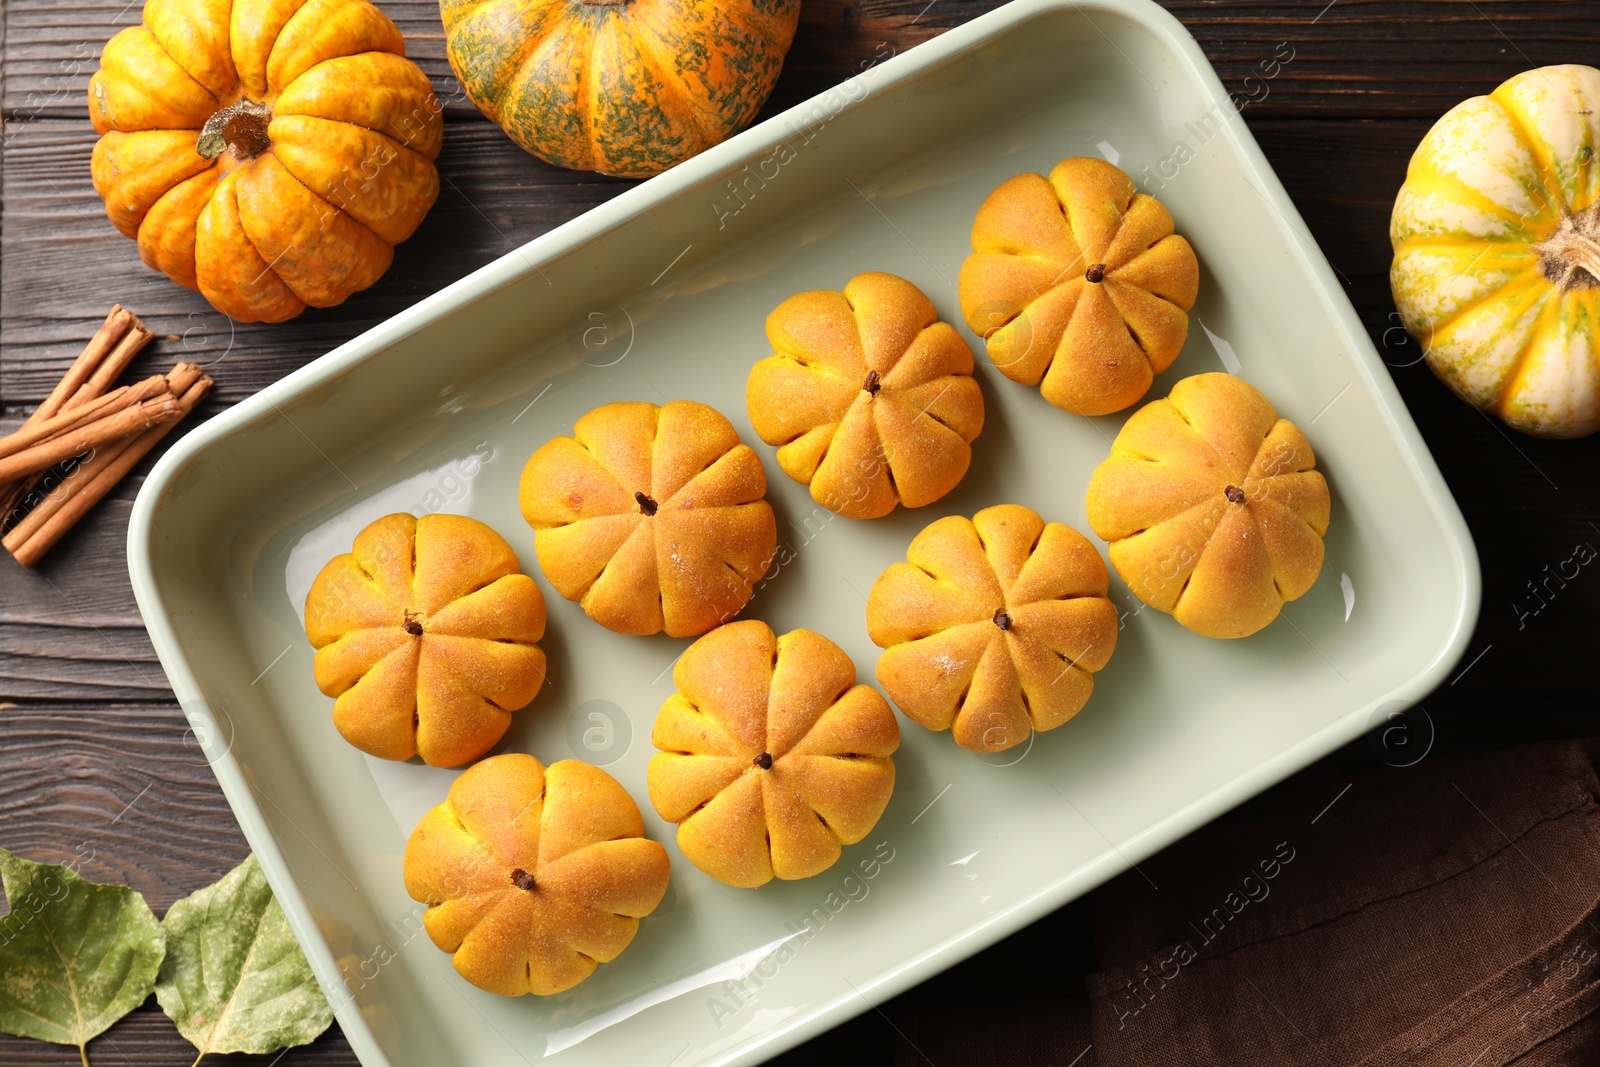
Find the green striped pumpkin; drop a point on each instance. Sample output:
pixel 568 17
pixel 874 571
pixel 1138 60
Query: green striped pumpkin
pixel 625 87
pixel 1496 236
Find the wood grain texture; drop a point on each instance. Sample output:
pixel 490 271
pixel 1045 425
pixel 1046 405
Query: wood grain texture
pixel 493 198
pixel 97 767
pixel 1353 63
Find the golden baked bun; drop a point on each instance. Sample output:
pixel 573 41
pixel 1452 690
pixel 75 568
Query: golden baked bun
pixel 425 634
pixel 1079 285
pixel 533 875
pixel 869 397
pixel 772 757
pixel 994 627
pixel 1212 507
pixel 653 518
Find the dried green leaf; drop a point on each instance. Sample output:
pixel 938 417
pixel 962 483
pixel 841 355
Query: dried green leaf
pixel 75 956
pixel 211 145
pixel 234 979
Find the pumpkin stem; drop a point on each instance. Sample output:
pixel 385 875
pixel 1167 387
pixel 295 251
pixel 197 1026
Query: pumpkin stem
pixel 1570 257
pixel 239 128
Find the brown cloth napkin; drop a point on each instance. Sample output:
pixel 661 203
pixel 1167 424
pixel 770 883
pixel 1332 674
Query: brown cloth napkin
pixel 1447 913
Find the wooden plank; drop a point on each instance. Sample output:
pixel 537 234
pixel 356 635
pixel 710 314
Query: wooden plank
pixel 1350 58
pixel 69 630
pixel 146 1038
pixel 97 728
pixel 123 793
pixel 1346 54
pixel 54 48
pixel 494 198
pixel 120 789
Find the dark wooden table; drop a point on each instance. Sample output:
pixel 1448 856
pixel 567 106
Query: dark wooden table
pixel 93 764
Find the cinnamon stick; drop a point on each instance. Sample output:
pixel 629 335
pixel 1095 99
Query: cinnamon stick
pixel 182 377
pixel 106 355
pixel 83 368
pixel 95 480
pixel 115 362
pixel 58 496
pixel 179 380
pixel 114 427
pixel 72 419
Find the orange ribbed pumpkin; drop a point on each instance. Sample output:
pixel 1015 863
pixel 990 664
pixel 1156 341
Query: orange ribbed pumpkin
pixel 625 87
pixel 269 153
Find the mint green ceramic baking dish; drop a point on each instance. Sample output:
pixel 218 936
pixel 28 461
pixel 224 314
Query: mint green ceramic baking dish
pixel 662 293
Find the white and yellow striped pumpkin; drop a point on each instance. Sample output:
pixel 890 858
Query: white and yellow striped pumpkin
pixel 1496 236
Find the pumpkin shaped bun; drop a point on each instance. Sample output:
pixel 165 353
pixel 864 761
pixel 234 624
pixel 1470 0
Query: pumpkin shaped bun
pixel 1213 507
pixel 994 626
pixel 1079 285
pixel 772 757
pixel 425 634
pixel 533 875
pixel 270 154
pixel 623 88
pixel 869 397
pixel 653 518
